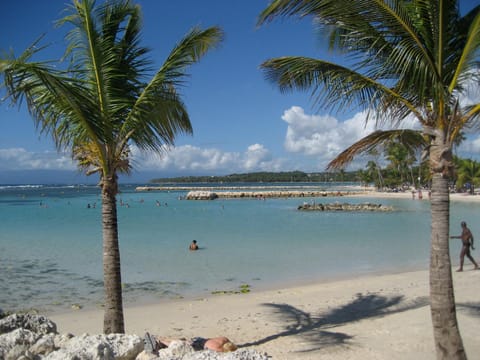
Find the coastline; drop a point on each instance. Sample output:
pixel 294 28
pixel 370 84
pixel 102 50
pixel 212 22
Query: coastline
pixel 375 316
pixel 408 195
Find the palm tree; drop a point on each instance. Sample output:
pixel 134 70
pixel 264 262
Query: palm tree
pixel 468 171
pixel 408 58
pixel 101 105
pixel 373 166
pixel 401 160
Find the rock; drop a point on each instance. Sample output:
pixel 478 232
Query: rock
pixel 180 350
pixel 99 347
pixel 61 339
pixel 201 195
pixel 240 354
pixel 44 346
pixel 345 207
pixel 146 356
pixel 33 337
pixel 177 349
pixel 36 323
pixel 16 343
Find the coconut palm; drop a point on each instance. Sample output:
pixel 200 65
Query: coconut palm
pixel 105 101
pixel 407 59
pixel 468 172
pixel 401 160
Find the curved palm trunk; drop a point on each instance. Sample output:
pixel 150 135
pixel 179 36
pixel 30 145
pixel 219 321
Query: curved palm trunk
pixel 448 342
pixel 113 316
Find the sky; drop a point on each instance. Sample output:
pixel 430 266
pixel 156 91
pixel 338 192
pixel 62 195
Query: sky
pixel 241 122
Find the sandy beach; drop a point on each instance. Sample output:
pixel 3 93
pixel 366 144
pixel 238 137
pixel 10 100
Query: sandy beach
pixel 383 316
pixel 373 317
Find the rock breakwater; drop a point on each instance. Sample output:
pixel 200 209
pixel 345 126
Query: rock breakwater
pixel 345 207
pixel 212 195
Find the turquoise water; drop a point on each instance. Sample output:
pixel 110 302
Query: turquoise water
pixel 51 246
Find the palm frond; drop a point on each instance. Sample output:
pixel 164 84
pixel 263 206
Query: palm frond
pixel 411 139
pixel 159 112
pixel 469 53
pixel 59 105
pixel 158 122
pixel 396 44
pixel 188 51
pixel 335 85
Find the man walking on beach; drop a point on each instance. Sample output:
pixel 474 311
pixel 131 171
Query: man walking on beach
pixel 467 241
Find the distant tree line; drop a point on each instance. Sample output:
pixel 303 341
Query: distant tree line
pixel 394 167
pixel 264 176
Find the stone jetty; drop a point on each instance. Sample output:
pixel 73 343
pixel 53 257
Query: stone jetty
pixel 212 195
pixel 345 207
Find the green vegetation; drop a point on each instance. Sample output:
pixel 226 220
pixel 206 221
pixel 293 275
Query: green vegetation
pixel 243 289
pixel 268 177
pixel 401 167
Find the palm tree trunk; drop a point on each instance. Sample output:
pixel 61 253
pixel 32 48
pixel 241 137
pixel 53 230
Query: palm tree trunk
pixel 448 342
pixel 113 316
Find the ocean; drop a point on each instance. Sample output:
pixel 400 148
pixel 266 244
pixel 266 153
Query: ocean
pixel 51 244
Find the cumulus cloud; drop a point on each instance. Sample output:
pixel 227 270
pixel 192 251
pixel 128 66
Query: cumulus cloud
pixel 185 158
pixel 21 159
pixel 311 141
pixel 195 159
pixel 324 136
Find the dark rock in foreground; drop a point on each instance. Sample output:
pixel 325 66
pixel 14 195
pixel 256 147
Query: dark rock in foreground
pixel 345 207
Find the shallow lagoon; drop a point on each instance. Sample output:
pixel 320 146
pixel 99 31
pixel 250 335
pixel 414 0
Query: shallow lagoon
pixel 50 244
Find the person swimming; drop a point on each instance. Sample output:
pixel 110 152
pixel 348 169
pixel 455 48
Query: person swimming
pixel 193 245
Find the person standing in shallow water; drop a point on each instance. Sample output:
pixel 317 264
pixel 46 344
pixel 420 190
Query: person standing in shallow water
pixel 193 245
pixel 467 241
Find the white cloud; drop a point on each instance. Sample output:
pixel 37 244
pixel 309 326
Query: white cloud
pixel 21 159
pixel 311 141
pixel 324 136
pixel 191 158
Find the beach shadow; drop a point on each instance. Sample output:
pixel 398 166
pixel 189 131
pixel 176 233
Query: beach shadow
pixel 471 309
pixel 317 330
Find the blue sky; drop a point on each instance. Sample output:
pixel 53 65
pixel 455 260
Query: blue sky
pixel 241 122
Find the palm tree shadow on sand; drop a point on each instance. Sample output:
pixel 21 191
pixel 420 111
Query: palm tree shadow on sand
pixel 470 309
pixel 316 330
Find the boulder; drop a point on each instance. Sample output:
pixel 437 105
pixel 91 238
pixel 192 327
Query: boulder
pixel 181 350
pixel 16 343
pixel 33 337
pixel 36 323
pixel 201 195
pixel 99 347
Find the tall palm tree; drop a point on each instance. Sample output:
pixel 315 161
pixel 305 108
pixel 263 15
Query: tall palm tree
pixel 101 105
pixel 401 160
pixel 374 166
pixel 408 58
pixel 468 171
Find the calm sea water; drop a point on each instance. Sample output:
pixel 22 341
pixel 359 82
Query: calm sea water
pixel 51 245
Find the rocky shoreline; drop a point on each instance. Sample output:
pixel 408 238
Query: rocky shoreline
pixel 35 337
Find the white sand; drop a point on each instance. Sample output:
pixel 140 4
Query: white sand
pixel 374 317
